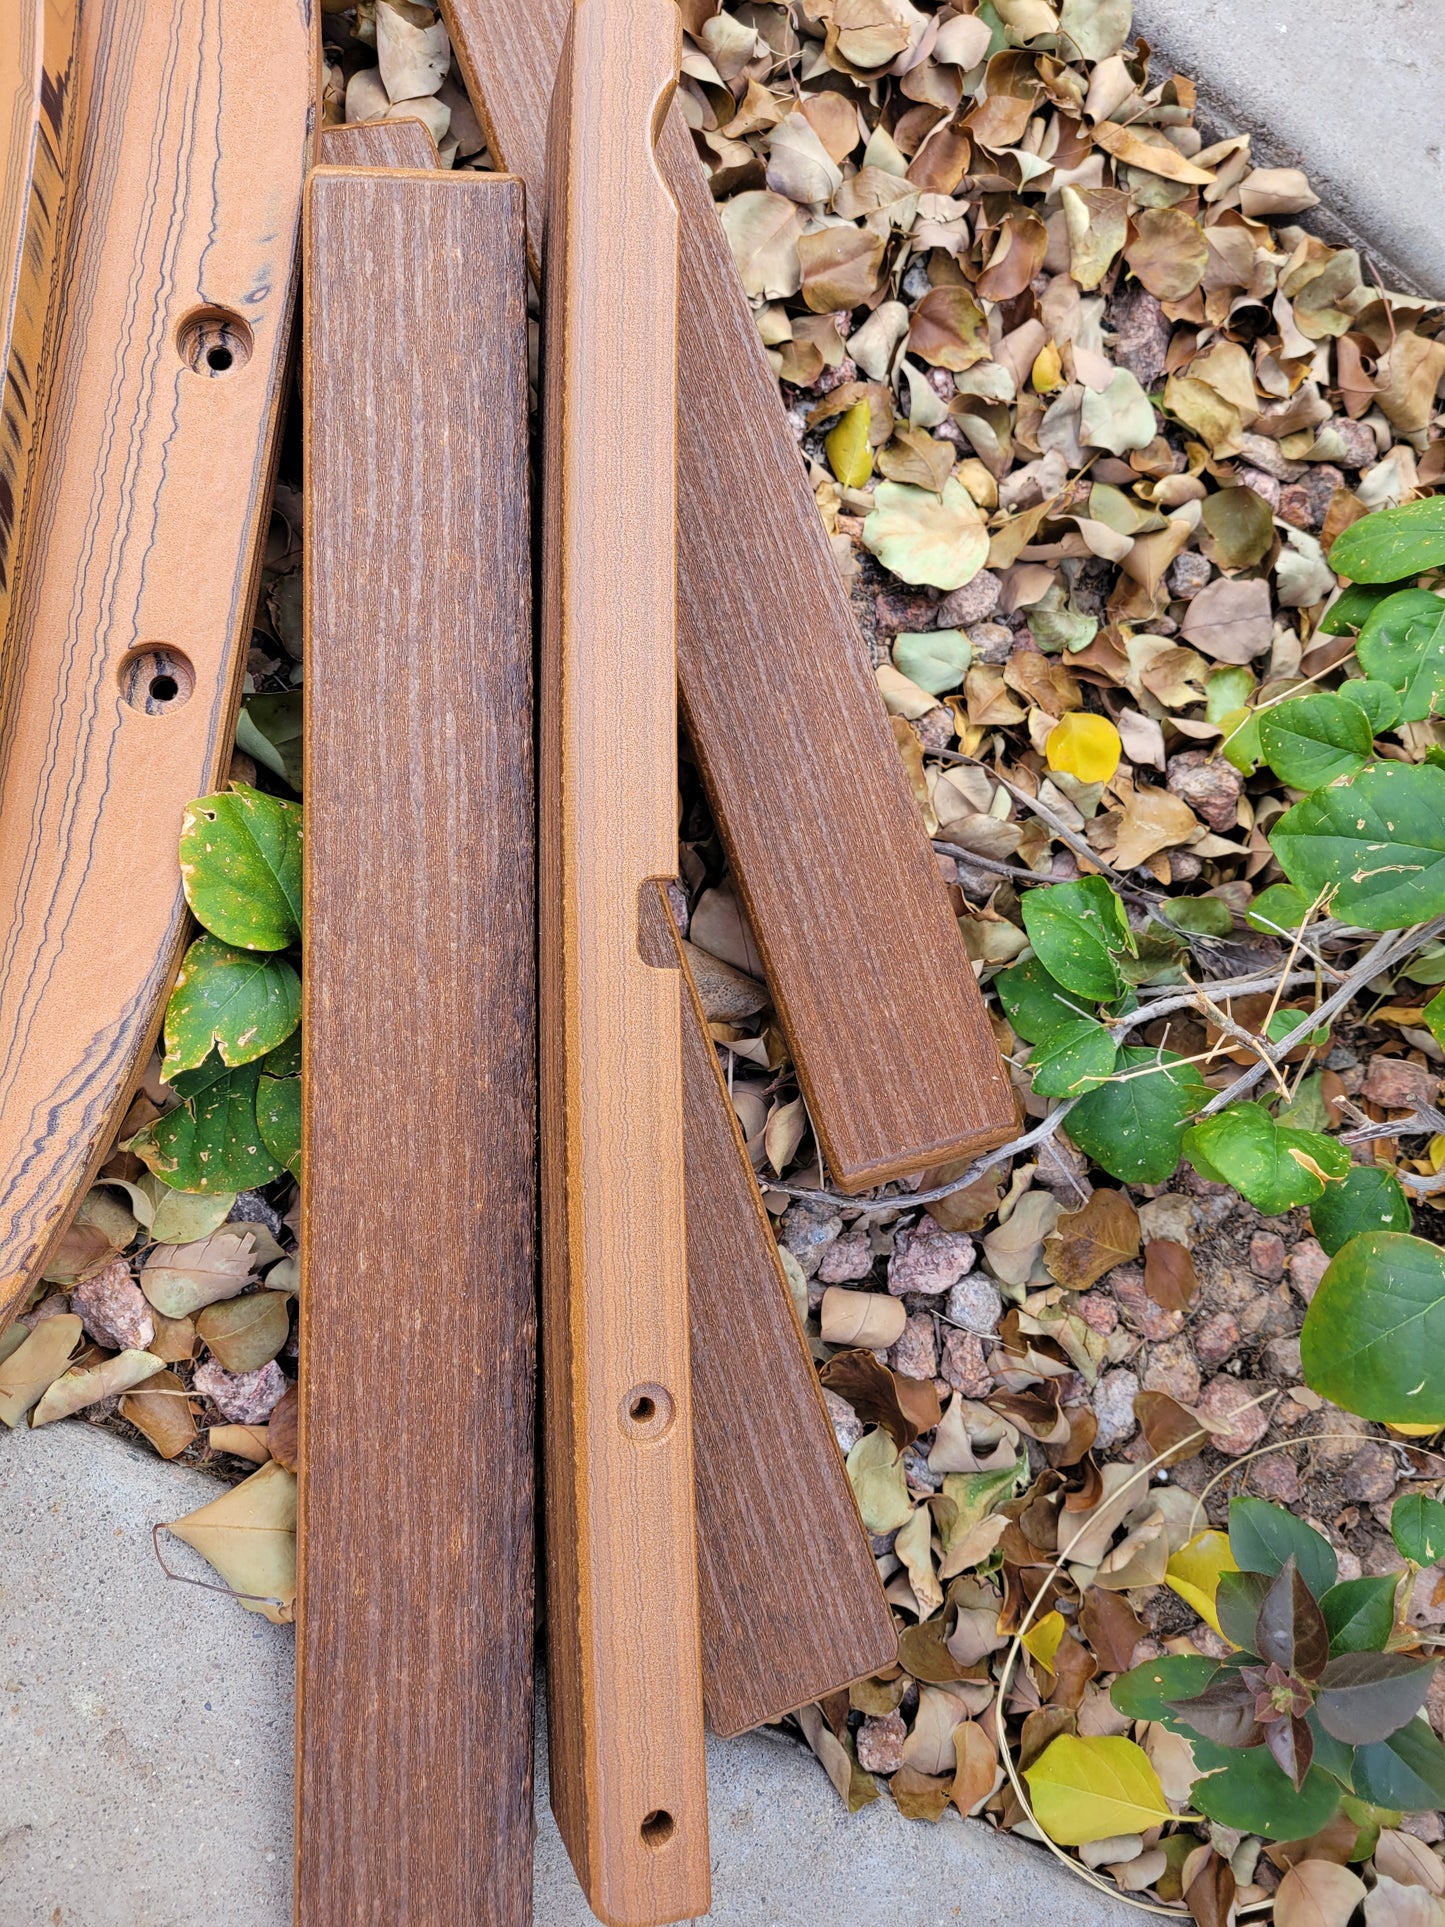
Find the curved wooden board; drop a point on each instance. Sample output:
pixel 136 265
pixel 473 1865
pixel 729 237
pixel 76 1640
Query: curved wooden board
pixel 142 541
pixel 37 52
pixel 624 1664
pixel 863 956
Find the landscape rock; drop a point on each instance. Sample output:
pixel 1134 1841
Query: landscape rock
pixel 1371 1477
pixel 1276 1478
pixel 847 1258
pixel 1229 1405
pixel 1171 1216
pixel 1210 786
pixel 847 1426
pixel 1172 1368
pixel 1305 504
pixel 1113 1403
pixel 975 1303
pixel 1267 1255
pixel 1188 574
pixel 244 1398
pixel 916 1353
pixel 1139 1309
pixel 926 1258
pixel 880 1742
pixel 1215 1339
pixel 805 1229
pixel 1142 330
pixel 1399 1085
pixel 113 1309
pixel 965 1364
pixel 1308 1263
pixel 974 602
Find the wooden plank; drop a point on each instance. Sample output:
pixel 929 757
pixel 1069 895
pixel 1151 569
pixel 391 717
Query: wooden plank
pixel 379 143
pixel 623 1657
pixel 418 1354
pixel 863 956
pixel 142 542
pixel 792 1606
pixel 37 53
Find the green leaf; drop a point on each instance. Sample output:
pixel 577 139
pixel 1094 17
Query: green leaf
pixel 937 661
pixel 1405 1772
pixel 243 1002
pixel 1427 966
pixel 1376 839
pixel 1364 1697
pixel 1360 1613
pixel 1227 691
pixel 1262 1536
pixel 1255 1795
pixel 1236 1605
pixel 1403 644
pixel 927 538
pixel 1074 1060
pixel 1268 1163
pixel 1374 1334
pixel 1314 740
pixel 1285 1024
pixel 1279 908
pixel 1353 607
pixel 1075 928
pixel 212 1141
pixel 1378 700
pixel 1241 745
pixel 1393 543
pixel 1085 1789
pixel 269 729
pixel 278 1118
pixel 1417 1525
pixel 1134 1125
pixel 1200 916
pixel 241 867
pixel 1435 1019
pixel 1036 1004
pixel 1307 1109
pixel 1144 1692
pixel 1370 1199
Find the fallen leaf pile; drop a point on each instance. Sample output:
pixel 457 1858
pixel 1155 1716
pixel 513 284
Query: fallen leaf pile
pixel 1084 409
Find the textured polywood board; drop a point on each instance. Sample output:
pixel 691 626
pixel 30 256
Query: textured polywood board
pixel 624 1663
pixel 863 957
pixel 142 540
pixel 37 52
pixel 418 1355
pixel 792 1606
pixel 378 143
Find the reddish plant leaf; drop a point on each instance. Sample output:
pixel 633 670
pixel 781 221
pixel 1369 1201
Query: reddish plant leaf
pixel 1293 1747
pixel 1365 1697
pixel 1290 1630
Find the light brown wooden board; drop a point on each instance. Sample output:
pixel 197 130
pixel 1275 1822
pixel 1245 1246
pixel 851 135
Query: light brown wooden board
pixel 378 143
pixel 623 1653
pixel 37 54
pixel 418 1355
pixel 143 536
pixel 792 1606
pixel 863 956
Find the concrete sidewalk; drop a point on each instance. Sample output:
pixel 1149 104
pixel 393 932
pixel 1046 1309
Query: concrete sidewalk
pixel 1350 90
pixel 146 1750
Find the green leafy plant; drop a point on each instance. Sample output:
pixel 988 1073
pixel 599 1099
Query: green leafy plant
pixel 1318 1703
pixel 232 1049
pixel 1393 544
pixel 1374 1334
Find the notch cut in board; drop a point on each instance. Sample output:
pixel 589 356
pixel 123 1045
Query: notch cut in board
pixel 418 1314
pixel 791 1603
pixel 37 56
pixel 624 1664
pixel 861 949
pixel 149 500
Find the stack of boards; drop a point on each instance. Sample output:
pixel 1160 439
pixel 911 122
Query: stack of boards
pixel 506 945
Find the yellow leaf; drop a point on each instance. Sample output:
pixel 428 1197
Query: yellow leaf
pixel 249 1536
pixel 850 454
pixel 1043 1639
pixel 1084 746
pixel 1194 1572
pixel 1091 1788
pixel 1048 373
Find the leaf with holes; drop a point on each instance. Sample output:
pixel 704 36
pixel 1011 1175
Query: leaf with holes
pixel 1417 1525
pixel 1315 740
pixel 241 867
pixel 1275 1166
pixel 1369 1198
pixel 1365 1697
pixel 1037 1005
pixel 242 1002
pixel 1376 840
pixel 1074 1060
pixel 1262 1536
pixel 1393 543
pixel 1374 1334
pixel 1403 644
pixel 1134 1124
pixel 1091 1788
pixel 1077 929
pixel 1147 1691
pixel 211 1142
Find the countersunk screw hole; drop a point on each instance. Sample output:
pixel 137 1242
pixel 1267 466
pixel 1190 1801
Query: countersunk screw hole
pixel 156 679
pixel 658 1828
pixel 646 1413
pixel 164 689
pixel 641 1410
pixel 219 359
pixel 214 342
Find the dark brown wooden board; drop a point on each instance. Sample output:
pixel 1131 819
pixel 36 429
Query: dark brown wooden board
pixel 864 960
pixel 143 535
pixel 415 1609
pixel 792 1606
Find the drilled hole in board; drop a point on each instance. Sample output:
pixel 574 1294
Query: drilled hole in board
pixel 156 680
pixel 658 1828
pixel 214 342
pixel 647 1412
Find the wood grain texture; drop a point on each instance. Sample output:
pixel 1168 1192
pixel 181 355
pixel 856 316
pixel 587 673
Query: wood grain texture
pixel 624 1663
pixel 418 1353
pixel 142 541
pixel 792 1606
pixel 37 55
pixel 378 143
pixel 864 960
